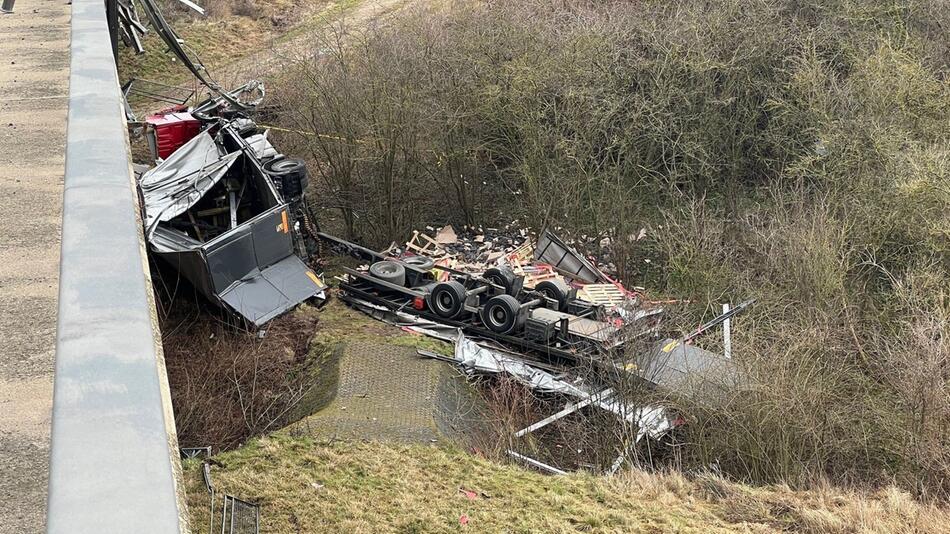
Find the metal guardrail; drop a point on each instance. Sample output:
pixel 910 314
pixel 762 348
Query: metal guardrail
pixel 114 459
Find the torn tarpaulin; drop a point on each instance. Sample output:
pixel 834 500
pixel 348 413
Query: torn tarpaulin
pixel 180 181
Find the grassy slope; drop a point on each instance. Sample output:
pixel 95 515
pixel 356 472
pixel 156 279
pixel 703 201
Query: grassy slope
pixel 222 39
pixel 307 486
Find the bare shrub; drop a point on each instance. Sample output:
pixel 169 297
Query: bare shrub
pixel 789 151
pixel 246 8
pixel 916 366
pixel 228 384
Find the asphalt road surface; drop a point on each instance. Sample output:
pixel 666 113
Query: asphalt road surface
pixel 34 82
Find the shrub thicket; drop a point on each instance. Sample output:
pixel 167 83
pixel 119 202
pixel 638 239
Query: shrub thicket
pixel 792 151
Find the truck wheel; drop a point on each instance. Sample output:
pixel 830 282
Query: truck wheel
pixel 555 290
pixel 419 262
pixel 501 314
pixel 447 299
pixel 280 166
pixel 389 271
pixel 501 276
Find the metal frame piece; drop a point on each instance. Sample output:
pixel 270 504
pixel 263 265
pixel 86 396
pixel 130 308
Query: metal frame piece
pixel 239 522
pixel 114 463
pixel 535 463
pixel 568 410
pixel 726 315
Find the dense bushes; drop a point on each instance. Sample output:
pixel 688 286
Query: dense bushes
pixel 792 151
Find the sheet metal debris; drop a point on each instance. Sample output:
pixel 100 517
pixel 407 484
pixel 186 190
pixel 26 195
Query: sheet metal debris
pixel 475 358
pixel 567 261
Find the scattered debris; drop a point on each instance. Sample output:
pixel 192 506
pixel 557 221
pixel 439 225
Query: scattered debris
pixel 499 304
pixel 446 236
pixel 194 452
pixel 475 358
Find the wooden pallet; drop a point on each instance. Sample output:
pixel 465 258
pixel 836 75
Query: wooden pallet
pixel 429 246
pixel 523 254
pixel 606 294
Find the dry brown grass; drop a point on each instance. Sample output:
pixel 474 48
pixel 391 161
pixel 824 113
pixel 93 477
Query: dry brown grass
pixel 307 486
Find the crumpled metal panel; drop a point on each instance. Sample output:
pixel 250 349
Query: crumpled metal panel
pixel 688 370
pixel 261 146
pixel 266 294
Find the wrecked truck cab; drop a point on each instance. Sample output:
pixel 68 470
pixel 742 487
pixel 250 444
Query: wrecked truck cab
pixel 216 216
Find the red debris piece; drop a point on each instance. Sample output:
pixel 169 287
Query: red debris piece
pixel 171 131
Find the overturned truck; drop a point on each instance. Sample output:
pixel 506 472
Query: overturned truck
pixel 227 211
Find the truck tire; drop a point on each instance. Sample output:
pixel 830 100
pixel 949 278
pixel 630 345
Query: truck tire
pixel 502 314
pixel 290 173
pixel 447 299
pixel 389 271
pixel 419 262
pixel 501 276
pixel 556 290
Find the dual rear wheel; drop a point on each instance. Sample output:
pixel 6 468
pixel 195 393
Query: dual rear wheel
pixel 501 314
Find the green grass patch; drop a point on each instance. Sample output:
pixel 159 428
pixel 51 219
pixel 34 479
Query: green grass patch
pixel 341 324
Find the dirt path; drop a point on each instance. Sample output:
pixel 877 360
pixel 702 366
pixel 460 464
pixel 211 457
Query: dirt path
pixel 298 43
pixel 34 79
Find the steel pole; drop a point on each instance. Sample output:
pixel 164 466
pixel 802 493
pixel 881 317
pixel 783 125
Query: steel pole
pixel 7 6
